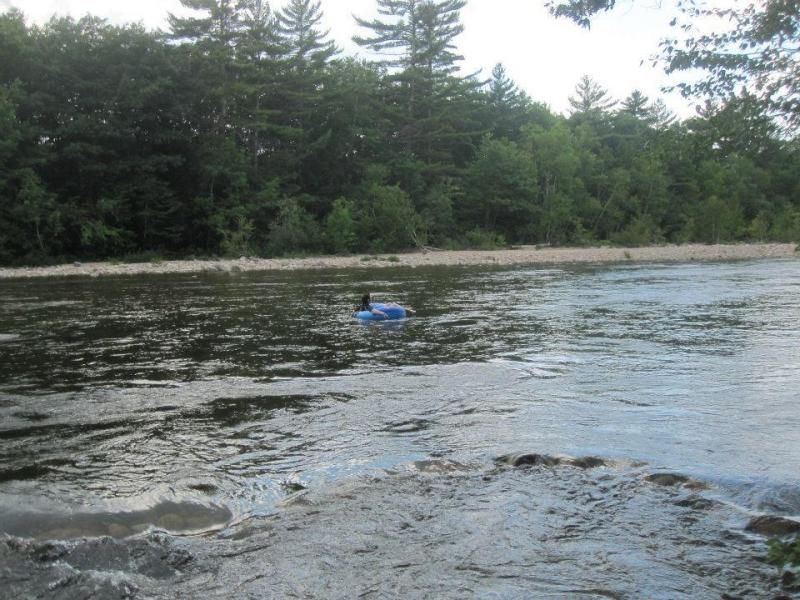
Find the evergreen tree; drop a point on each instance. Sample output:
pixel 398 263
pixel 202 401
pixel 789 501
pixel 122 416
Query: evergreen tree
pixel 508 105
pixel 432 104
pixel 590 98
pixel 660 116
pixel 261 54
pixel 212 37
pixel 308 98
pixel 636 105
pixel 220 189
pixel 298 24
pixel 417 34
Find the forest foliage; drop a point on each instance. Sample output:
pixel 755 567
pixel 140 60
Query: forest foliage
pixel 245 131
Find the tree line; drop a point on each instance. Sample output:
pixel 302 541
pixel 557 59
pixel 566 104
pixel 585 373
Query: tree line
pixel 245 131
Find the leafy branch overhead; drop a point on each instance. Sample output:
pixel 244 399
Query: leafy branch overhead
pixel 754 51
pixel 749 50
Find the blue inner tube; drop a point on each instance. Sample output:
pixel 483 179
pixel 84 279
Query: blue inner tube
pixel 392 312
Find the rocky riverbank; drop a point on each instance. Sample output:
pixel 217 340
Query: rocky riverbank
pixel 533 526
pixel 526 255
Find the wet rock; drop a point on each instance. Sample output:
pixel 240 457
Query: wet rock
pixel 676 479
pixel 586 462
pixel 96 568
pixel 544 460
pixel 667 479
pixel 770 525
pixel 293 486
pixel 45 552
pixel 206 488
pixel 524 460
pixel 696 503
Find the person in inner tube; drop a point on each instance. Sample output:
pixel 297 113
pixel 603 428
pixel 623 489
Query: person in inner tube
pixel 366 305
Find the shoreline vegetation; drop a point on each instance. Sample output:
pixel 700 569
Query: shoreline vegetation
pixel 287 147
pixel 522 255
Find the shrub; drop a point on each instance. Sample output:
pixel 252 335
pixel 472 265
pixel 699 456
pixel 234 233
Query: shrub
pixel 237 241
pixel 294 231
pixel 340 229
pixel 786 226
pixel 481 239
pixel 639 232
pixel 388 219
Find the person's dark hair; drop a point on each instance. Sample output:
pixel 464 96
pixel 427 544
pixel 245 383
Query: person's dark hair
pixel 365 299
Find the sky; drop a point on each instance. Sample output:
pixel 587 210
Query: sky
pixel 544 56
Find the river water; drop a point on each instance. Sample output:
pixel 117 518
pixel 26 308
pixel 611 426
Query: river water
pixel 239 435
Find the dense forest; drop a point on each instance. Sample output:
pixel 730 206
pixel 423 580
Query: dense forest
pixel 245 131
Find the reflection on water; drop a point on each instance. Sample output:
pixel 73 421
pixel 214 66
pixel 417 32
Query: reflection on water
pixel 119 396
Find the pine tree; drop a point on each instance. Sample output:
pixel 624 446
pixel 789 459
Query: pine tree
pixel 636 105
pixel 440 25
pixel 590 98
pixel 298 24
pixel 212 37
pixel 307 97
pixel 507 104
pixel 418 40
pixel 661 116
pixel 260 54
pixel 419 37
pixel 209 42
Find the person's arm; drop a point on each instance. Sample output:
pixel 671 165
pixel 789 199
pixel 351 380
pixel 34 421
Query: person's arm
pixel 375 311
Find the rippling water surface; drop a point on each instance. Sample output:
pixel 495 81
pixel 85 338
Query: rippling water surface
pixel 195 403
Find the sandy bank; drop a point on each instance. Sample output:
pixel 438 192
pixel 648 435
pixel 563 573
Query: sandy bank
pixel 528 255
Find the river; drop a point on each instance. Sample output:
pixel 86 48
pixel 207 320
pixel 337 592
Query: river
pixel 240 435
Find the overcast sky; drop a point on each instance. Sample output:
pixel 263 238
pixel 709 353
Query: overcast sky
pixel 544 56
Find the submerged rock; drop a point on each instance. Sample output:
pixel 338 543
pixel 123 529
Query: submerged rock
pixel 586 462
pixel 521 460
pixel 697 503
pixel 770 525
pixel 88 568
pixel 293 486
pixel 676 479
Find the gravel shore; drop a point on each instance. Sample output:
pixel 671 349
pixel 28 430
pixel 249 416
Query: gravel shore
pixel 526 255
